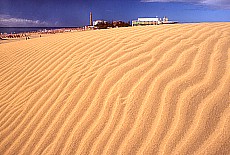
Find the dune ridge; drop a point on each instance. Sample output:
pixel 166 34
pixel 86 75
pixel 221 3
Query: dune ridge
pixel 140 90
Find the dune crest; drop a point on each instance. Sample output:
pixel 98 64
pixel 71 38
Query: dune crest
pixel 139 90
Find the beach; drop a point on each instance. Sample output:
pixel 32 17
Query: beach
pixel 22 34
pixel 161 89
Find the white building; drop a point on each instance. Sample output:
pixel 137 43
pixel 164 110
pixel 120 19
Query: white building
pixel 156 19
pixel 147 21
pixel 95 23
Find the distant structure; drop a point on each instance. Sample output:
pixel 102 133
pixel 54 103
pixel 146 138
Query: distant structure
pixel 102 24
pixel 146 21
pixel 151 21
pixel 97 22
pixel 91 19
pixel 165 19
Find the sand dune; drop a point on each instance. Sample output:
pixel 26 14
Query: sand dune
pixel 141 90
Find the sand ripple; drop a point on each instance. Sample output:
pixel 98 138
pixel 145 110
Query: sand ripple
pixel 141 90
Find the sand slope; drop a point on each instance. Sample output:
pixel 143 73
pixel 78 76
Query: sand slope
pixel 142 90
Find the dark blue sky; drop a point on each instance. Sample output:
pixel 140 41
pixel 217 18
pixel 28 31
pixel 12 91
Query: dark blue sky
pixel 76 12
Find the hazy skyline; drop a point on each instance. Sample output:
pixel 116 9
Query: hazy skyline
pixel 76 12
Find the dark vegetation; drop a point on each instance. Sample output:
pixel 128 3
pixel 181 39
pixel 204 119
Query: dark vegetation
pixel 112 24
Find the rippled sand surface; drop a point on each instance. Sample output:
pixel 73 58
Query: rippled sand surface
pixel 139 90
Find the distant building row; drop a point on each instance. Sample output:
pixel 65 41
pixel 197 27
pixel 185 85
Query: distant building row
pixel 151 21
pixel 114 23
pixel 102 24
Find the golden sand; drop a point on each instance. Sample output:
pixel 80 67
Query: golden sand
pixel 140 90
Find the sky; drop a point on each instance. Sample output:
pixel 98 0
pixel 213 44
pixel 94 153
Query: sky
pixel 74 13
